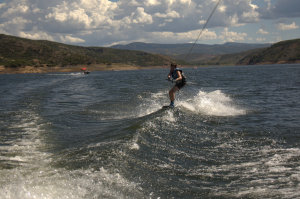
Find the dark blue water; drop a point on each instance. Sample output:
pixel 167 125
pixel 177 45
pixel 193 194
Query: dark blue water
pixel 235 133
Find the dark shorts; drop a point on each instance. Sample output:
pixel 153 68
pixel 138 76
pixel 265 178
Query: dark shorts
pixel 180 83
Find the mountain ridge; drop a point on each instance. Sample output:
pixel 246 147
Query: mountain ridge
pixel 17 52
pixel 282 52
pixel 179 51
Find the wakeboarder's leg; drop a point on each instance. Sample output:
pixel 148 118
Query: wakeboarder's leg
pixel 172 95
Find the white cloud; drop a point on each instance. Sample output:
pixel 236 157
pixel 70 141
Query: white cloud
pixel 78 16
pixel 206 35
pixel 140 16
pixel 170 2
pixel 171 14
pixel 83 13
pixel 70 39
pixel 152 2
pixel 183 36
pixel 234 21
pixel 222 8
pixel 253 6
pixel 229 36
pixel 134 3
pixel 2 5
pixel 101 22
pixel 14 26
pixel 260 39
pixel 250 16
pixel 292 26
pixel 262 32
pixel 36 36
pixel 269 4
pixel 15 10
pixel 202 22
pixel 188 2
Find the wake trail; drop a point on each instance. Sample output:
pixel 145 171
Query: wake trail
pixel 214 103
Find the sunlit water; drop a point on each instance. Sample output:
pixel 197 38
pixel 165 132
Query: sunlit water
pixel 234 133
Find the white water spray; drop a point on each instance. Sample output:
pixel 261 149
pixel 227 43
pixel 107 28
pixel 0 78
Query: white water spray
pixel 213 103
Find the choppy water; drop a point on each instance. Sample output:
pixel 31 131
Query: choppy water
pixel 234 133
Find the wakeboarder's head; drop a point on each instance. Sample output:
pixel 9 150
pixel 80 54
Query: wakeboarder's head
pixel 173 66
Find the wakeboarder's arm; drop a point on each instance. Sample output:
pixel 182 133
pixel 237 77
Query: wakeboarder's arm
pixel 179 76
pixel 169 75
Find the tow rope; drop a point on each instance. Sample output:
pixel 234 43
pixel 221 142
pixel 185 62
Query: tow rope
pixel 200 33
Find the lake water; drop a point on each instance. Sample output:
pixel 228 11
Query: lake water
pixel 235 132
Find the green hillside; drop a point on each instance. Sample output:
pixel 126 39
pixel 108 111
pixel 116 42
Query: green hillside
pixel 16 52
pixel 224 59
pixel 278 53
pixel 200 51
pixel 281 52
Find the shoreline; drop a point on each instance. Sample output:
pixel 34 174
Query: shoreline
pixel 102 67
pixel 77 68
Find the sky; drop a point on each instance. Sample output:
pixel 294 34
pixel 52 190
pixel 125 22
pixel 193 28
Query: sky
pixel 110 22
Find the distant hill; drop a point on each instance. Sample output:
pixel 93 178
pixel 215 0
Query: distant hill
pixel 179 51
pixel 226 59
pixel 281 52
pixel 17 52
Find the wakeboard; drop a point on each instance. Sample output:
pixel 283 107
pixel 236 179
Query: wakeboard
pixel 167 107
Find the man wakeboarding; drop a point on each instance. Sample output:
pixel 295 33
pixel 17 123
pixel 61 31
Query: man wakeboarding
pixel 176 75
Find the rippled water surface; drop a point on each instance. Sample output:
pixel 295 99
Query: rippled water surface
pixel 234 133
